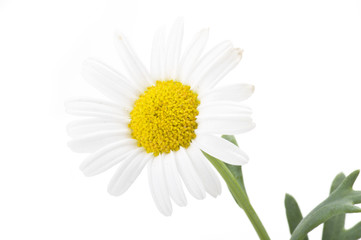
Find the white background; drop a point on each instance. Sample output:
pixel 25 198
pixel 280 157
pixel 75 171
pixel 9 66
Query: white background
pixel 304 57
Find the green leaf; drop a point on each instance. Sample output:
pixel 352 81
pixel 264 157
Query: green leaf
pixel 293 213
pixel 340 201
pixel 337 181
pixel 333 227
pixel 353 233
pixel 235 170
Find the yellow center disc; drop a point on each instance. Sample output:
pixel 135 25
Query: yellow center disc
pixel 164 117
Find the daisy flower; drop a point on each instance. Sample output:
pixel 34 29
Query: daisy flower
pixel 162 118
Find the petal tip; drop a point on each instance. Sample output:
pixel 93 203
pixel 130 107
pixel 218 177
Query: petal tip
pixel 182 204
pixel 167 213
pixel 87 174
pixel 70 145
pixel 84 169
pixel 179 19
pixel 112 192
pixel 253 88
pixel 118 35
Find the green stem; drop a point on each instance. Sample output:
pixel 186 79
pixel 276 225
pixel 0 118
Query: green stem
pixel 240 196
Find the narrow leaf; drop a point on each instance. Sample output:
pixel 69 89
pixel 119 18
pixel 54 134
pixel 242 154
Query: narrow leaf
pixel 232 183
pixel 340 201
pixel 337 181
pixel 235 170
pixel 353 233
pixel 333 227
pixel 293 212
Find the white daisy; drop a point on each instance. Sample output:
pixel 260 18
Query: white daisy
pixel 164 118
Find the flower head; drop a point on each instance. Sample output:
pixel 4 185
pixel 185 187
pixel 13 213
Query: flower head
pixel 164 118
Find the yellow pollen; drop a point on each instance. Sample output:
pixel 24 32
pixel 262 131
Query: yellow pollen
pixel 164 117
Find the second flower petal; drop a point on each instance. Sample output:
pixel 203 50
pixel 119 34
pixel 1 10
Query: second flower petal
pixel 222 149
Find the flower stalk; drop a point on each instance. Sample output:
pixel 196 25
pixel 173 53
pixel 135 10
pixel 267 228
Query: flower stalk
pixel 239 195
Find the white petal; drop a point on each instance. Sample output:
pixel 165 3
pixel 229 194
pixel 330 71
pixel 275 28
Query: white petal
pixel 221 149
pixel 134 66
pixel 173 181
pixel 234 92
pixel 158 186
pixel 107 157
pixel 87 126
pixel 233 124
pixel 209 178
pixel 220 68
pixel 94 108
pixel 128 172
pixel 189 175
pixel 223 108
pixel 109 82
pixel 207 61
pixel 157 63
pixel 191 55
pixel 224 118
pixel 174 44
pixel 95 141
